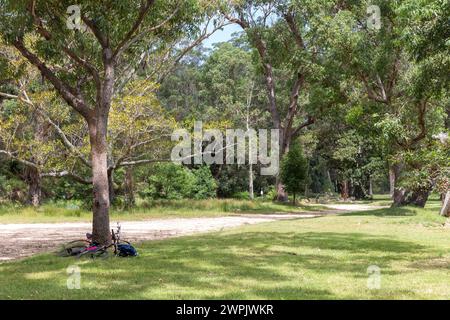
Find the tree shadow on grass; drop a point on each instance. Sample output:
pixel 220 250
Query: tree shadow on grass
pixel 220 266
pixel 386 212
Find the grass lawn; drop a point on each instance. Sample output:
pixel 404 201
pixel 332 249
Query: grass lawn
pixel 320 258
pixel 69 212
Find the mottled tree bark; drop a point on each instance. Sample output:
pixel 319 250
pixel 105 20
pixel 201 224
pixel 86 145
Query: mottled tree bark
pixel 418 198
pixel 445 211
pixel 33 179
pixel 100 181
pixel 281 192
pixel 399 194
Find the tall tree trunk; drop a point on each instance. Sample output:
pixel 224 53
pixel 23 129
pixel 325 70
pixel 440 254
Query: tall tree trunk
pixel 391 181
pixel 250 165
pixel 370 187
pixel 98 130
pixel 445 211
pixel 344 190
pixel 399 198
pixel 400 194
pixel 100 181
pixel 250 182
pixel 419 198
pixel 112 193
pixel 34 187
pixel 129 188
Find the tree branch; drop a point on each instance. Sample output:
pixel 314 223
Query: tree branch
pixel 47 35
pixel 62 174
pixel 127 40
pixel 292 111
pixel 311 120
pixel 102 39
pixel 64 89
pixel 289 17
pixel 204 35
pixel 140 162
pixel 61 133
pixel 22 161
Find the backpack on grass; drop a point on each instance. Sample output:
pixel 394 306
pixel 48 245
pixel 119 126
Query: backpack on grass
pixel 126 250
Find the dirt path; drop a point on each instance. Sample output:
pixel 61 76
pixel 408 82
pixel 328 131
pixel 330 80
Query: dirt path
pixel 22 240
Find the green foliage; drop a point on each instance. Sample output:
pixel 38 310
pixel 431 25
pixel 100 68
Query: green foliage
pixel 64 189
pixel 271 194
pixel 366 89
pixel 204 186
pixel 294 169
pixel 12 188
pixel 428 168
pixel 173 181
pixel 170 181
pixel 319 176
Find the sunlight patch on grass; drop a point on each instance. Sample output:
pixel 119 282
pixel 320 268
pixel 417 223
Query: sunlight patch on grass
pixel 41 275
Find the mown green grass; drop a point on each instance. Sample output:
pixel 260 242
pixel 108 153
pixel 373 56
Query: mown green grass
pixel 70 212
pixel 320 258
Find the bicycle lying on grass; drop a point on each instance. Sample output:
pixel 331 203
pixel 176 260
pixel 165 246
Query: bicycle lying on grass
pixel 88 248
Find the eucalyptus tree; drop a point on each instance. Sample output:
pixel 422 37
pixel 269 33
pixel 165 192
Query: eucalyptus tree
pixel 50 141
pixel 223 89
pixel 279 33
pixel 231 90
pixel 85 62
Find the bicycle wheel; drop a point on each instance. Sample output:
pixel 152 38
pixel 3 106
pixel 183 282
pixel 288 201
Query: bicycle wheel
pixel 72 248
pixel 101 253
pixel 79 240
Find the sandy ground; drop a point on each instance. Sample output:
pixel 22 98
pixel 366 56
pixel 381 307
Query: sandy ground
pixel 23 240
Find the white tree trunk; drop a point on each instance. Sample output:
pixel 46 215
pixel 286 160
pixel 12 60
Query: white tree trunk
pixel 250 181
pixel 391 181
pixel 445 211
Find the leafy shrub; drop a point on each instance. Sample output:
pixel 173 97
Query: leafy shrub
pixel 204 186
pixel 64 189
pixel 243 195
pixel 12 189
pixel 271 193
pixel 294 169
pixel 172 181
